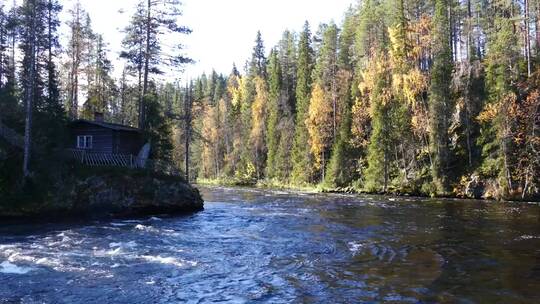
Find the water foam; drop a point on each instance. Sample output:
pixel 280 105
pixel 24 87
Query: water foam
pixel 355 247
pixel 145 228
pixel 9 268
pixel 168 261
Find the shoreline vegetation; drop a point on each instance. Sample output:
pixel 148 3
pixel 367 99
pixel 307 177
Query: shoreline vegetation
pixel 320 188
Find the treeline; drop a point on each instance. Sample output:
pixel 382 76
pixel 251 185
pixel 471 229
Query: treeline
pixel 44 85
pixel 410 96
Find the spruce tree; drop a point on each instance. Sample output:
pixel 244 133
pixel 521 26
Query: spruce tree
pixel 377 89
pixel 286 105
pixel 301 156
pixel 273 133
pixel 440 100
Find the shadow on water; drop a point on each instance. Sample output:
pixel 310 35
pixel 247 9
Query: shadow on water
pixel 284 247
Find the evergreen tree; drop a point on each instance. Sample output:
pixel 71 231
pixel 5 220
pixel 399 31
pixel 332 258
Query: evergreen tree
pixel 257 65
pixel 143 48
pixel 341 161
pixel 49 109
pixel 286 105
pixel 157 129
pixel 502 75
pixel 440 101
pixel 102 88
pixel 273 134
pixel 77 50
pixel 30 75
pixel 376 87
pixel 301 157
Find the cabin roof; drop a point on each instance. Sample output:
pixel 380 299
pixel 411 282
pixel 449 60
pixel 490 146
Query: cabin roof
pixel 112 126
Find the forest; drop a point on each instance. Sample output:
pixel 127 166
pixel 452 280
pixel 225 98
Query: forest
pixel 420 97
pixel 438 97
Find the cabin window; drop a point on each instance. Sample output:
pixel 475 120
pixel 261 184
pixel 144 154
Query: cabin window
pixel 84 142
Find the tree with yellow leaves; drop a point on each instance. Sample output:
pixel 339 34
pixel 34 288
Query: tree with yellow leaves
pixel 320 126
pixel 257 136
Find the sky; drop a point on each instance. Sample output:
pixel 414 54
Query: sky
pixel 223 30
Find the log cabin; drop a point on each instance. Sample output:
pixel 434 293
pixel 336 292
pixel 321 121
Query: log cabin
pixel 101 137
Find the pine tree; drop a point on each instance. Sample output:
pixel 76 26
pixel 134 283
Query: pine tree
pixel 52 45
pixel 142 47
pixel 76 51
pixel 102 88
pixel 29 34
pixel 50 114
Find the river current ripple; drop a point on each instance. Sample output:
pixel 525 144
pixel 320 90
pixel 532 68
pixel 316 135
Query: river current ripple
pixel 255 246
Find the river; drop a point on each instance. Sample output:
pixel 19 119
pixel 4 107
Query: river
pixel 255 246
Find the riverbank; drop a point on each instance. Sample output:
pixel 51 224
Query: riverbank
pixel 97 193
pixel 469 190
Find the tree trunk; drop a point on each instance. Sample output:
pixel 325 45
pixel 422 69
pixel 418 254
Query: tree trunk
pixel 49 48
pixel 187 111
pixel 385 166
pixel 13 45
pixel 469 30
pixel 29 94
pixel 537 26
pixel 75 62
pixel 146 62
pixel 527 38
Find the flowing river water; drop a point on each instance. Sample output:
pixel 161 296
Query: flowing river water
pixel 255 246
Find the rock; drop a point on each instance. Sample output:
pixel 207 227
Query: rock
pixel 113 194
pixel 474 188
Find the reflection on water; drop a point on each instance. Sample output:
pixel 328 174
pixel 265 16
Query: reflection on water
pixel 280 247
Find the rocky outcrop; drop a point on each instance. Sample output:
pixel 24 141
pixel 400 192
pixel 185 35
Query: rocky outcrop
pixel 98 193
pixel 106 195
